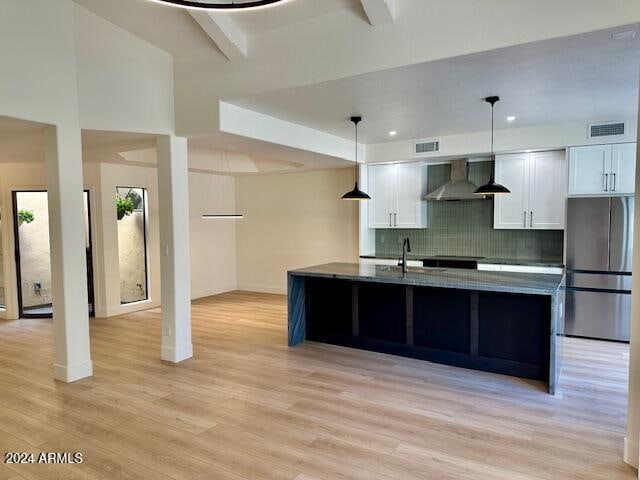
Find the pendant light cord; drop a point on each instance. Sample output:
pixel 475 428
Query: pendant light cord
pixel 356 145
pixel 355 121
pixel 492 115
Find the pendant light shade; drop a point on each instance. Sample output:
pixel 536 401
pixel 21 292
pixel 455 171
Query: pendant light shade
pixel 356 193
pixel 491 187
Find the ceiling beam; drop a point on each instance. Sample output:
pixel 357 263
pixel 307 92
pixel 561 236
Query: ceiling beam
pixel 224 32
pixel 380 11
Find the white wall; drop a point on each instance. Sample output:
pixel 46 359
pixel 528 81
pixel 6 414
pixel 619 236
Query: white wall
pixel 291 221
pixel 247 123
pixel 107 284
pixel 124 83
pixel 28 176
pixel 213 242
pixel 549 136
pixel 37 54
pixel 631 439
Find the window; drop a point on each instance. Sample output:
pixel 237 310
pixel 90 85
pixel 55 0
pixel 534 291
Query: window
pixel 131 207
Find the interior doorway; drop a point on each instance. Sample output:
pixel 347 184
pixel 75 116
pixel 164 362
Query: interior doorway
pixel 33 254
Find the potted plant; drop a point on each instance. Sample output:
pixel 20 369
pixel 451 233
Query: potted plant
pixel 124 206
pixel 25 216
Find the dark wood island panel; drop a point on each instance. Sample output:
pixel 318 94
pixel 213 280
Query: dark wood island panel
pixel 501 332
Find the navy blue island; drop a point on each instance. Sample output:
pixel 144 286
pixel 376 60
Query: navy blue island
pixel 497 322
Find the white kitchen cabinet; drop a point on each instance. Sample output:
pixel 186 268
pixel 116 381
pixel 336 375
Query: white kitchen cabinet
pixel 509 209
pixel 547 190
pixel 623 169
pixel 381 191
pixel 602 170
pixel 537 182
pixel 396 191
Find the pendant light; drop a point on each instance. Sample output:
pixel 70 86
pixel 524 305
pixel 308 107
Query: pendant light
pixel 356 193
pixel 492 188
pixel 228 5
pixel 225 169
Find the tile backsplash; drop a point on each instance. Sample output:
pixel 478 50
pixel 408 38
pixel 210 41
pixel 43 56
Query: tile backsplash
pixel 465 228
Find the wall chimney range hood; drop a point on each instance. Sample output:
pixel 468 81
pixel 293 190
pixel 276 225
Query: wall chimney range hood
pixel 458 187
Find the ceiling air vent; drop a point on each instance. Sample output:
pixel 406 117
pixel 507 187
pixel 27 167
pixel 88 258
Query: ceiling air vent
pixel 612 129
pixel 426 146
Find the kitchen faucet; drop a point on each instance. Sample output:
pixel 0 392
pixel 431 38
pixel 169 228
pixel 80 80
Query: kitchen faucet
pixel 406 248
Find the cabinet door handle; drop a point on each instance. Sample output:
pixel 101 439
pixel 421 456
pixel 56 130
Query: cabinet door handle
pixel 613 181
pixel 390 224
pixel 524 219
pixel 531 219
pixel 395 219
pixel 606 182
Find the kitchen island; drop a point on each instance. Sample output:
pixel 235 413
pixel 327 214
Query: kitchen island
pixel 492 321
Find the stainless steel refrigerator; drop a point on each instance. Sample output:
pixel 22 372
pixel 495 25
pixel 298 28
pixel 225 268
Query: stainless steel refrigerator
pixel 599 249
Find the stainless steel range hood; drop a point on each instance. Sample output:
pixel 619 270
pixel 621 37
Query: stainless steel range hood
pixel 458 187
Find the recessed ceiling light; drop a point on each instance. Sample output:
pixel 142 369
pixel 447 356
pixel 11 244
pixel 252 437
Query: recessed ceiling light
pixel 626 35
pixel 511 118
pixel 393 133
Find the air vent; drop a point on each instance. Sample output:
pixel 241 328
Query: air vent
pixel 422 147
pixel 598 130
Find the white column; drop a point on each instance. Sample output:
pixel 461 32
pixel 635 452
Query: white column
pixel 63 157
pixel 173 206
pixel 631 441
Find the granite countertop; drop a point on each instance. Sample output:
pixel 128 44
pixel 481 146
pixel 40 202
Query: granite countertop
pixel 529 283
pixel 493 261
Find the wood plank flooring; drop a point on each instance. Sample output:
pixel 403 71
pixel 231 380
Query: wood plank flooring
pixel 249 407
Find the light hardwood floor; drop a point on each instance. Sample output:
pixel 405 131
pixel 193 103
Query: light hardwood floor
pixel 249 407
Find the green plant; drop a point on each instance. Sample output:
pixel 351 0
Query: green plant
pixel 25 216
pixel 124 205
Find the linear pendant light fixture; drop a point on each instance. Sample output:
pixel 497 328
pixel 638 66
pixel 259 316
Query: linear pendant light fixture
pixel 219 215
pixel 356 193
pixel 228 5
pixel 492 188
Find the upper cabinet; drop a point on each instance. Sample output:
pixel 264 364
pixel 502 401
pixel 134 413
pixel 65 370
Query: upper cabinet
pixel 396 191
pixel 538 189
pixel 602 170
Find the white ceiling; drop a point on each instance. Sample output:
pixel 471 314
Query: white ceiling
pixel 291 159
pixel 257 21
pixel 584 77
pixel 169 28
pixel 173 29
pixel 23 141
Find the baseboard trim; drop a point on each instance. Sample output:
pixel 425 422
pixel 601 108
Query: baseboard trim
pixel 176 354
pixel 72 373
pixel 213 291
pixel 631 453
pixel 262 289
